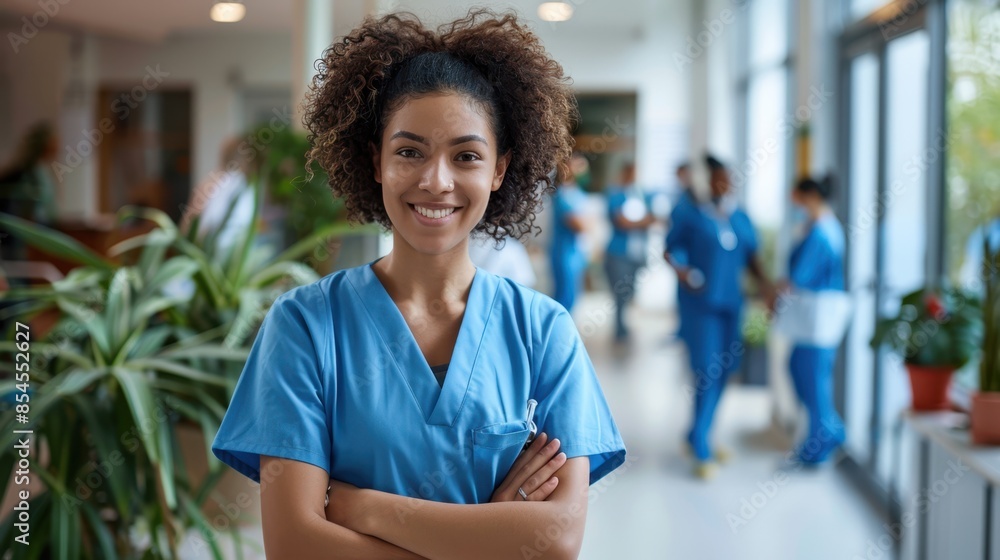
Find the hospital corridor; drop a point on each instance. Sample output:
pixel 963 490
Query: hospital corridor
pixel 493 280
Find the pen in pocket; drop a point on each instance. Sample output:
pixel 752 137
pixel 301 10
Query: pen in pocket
pixel 532 403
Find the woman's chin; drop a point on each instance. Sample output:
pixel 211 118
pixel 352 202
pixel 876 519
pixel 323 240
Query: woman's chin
pixel 433 246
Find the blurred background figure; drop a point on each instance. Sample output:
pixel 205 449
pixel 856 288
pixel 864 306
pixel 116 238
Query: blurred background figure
pixel 972 266
pixel 508 259
pixel 630 216
pixel 27 189
pixel 567 255
pixel 224 202
pixel 816 265
pixel 686 202
pixel 714 242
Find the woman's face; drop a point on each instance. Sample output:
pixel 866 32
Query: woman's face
pixel 437 165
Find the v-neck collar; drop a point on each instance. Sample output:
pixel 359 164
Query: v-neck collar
pixel 439 405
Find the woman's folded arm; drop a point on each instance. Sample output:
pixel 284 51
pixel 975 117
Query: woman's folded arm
pixel 442 531
pixel 295 524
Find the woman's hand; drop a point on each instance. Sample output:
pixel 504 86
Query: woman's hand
pixel 532 472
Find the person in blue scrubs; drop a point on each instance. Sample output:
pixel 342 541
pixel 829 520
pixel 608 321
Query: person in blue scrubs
pixel 709 246
pixel 388 409
pixel 817 264
pixel 971 273
pixel 630 216
pixel 686 202
pixel 569 261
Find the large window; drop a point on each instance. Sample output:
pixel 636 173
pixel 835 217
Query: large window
pixel 973 143
pixel 762 175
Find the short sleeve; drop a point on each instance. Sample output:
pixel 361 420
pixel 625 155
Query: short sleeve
pixel 616 199
pixel 278 406
pixel 564 206
pixel 571 404
pixel 677 236
pixel 811 262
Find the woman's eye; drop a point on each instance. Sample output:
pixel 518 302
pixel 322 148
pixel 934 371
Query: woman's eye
pixel 408 153
pixel 468 156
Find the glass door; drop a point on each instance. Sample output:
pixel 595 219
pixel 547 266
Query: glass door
pixel 862 237
pixel 903 262
pixel 885 147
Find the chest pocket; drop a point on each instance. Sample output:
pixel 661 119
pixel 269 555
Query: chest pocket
pixel 494 450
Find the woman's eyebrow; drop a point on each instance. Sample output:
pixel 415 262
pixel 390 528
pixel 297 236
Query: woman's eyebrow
pixel 454 142
pixel 409 136
pixel 469 138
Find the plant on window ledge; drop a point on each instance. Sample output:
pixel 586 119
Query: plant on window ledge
pixel 986 402
pixel 935 332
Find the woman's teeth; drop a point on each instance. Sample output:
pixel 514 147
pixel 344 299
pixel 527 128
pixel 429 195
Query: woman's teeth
pixel 435 214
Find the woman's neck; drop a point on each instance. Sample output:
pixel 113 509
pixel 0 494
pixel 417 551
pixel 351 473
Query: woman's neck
pixel 423 279
pixel 818 211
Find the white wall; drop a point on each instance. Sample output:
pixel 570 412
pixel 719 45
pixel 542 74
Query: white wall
pixel 635 61
pixel 217 68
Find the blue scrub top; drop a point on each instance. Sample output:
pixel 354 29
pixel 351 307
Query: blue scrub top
pixel 817 262
pixel 335 379
pixel 630 243
pixel 567 202
pixel 685 205
pixel 694 237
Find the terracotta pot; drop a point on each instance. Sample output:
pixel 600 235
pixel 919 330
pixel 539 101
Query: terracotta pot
pixel 986 418
pixel 930 386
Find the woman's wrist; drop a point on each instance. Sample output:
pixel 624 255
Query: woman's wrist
pixel 371 507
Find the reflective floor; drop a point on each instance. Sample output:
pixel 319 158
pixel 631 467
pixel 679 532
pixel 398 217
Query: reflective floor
pixel 757 507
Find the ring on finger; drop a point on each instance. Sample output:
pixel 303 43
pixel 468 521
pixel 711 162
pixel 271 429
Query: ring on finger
pixel 521 492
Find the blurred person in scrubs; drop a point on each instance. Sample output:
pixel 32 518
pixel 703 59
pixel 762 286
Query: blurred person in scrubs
pixel 686 202
pixel 972 266
pixel 630 216
pixel 816 265
pixel 419 406
pixel 509 258
pixel 709 246
pixel 568 258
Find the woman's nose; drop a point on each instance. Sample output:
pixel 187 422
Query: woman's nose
pixel 437 178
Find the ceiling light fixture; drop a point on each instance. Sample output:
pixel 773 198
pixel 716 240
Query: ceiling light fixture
pixel 555 11
pixel 228 12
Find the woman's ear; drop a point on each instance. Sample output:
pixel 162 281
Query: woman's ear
pixel 501 169
pixel 376 161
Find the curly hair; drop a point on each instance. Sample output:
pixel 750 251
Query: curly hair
pixel 492 58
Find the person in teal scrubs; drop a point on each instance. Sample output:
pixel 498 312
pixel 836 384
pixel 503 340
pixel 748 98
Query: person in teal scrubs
pixel 630 215
pixel 387 410
pixel 709 246
pixel 569 261
pixel 817 264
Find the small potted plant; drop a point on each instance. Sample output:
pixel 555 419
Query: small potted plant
pixel 936 332
pixel 986 402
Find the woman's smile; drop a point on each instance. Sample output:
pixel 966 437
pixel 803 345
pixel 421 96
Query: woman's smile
pixel 434 215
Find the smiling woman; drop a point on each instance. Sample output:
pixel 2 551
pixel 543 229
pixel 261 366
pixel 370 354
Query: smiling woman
pixel 412 389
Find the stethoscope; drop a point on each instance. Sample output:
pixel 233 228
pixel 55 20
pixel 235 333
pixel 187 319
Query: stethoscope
pixel 727 236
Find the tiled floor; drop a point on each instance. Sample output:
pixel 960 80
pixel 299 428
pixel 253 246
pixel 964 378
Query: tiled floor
pixel 652 508
pixel 757 507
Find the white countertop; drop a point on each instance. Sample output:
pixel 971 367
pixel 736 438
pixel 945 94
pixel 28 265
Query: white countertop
pixel 949 430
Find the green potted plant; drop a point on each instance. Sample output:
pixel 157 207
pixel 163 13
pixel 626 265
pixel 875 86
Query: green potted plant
pixel 935 332
pixel 107 386
pixel 132 361
pixel 986 402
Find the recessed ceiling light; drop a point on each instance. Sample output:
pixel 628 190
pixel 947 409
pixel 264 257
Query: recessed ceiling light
pixel 555 11
pixel 228 12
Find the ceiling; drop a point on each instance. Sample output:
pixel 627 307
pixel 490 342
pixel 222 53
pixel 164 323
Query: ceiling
pixel 155 20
